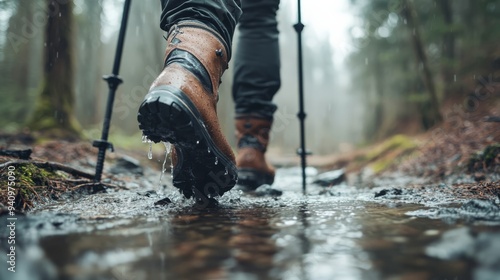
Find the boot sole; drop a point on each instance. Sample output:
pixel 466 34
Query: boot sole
pixel 202 170
pixel 252 178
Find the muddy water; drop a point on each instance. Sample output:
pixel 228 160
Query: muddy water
pixel 341 234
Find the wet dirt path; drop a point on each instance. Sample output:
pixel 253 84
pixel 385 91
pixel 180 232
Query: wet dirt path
pixel 343 234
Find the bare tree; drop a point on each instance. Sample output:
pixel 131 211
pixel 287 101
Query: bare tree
pixel 430 109
pixel 448 47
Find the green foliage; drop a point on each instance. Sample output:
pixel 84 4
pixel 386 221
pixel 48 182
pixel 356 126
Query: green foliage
pixel 485 159
pixel 385 64
pixel 32 183
pixel 393 143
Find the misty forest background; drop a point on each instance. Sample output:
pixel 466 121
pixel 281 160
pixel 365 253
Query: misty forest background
pixel 411 64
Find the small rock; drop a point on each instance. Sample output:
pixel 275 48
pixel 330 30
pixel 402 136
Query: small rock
pixel 57 224
pixel 163 202
pixel 147 193
pixel 389 192
pixel 267 190
pixel 330 178
pixel 127 164
pixel 132 185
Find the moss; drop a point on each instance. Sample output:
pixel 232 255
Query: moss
pixel 395 142
pixel 381 165
pixel 31 183
pixel 390 152
pixel 484 159
pixel 491 153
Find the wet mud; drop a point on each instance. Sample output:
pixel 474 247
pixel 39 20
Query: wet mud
pixel 339 232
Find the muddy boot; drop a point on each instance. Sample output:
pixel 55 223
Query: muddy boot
pixel 180 108
pixel 253 137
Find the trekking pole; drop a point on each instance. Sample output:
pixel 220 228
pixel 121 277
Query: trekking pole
pixel 302 152
pixel 113 81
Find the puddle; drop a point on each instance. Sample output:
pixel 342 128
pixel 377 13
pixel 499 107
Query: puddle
pixel 333 233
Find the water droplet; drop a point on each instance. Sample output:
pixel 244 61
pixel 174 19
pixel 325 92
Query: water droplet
pixel 150 152
pixel 59 14
pixel 144 139
pixel 208 150
pixel 168 147
pixel 197 142
pixel 226 172
pixel 57 54
pixel 216 160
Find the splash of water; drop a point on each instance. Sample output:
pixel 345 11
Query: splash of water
pixel 150 152
pixel 168 151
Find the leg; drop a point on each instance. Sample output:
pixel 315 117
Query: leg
pixel 257 59
pixel 221 15
pixel 180 106
pixel 256 81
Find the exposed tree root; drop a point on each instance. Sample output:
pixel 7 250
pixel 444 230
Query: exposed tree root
pixel 50 166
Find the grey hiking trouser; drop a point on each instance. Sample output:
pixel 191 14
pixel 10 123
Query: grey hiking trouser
pixel 257 58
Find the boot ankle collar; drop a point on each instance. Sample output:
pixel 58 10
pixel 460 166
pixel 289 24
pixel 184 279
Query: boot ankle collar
pixel 249 141
pixel 176 29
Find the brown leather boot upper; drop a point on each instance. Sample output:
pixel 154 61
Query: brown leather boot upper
pixel 210 51
pixel 253 137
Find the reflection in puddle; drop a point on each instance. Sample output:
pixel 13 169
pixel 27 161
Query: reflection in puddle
pixel 124 236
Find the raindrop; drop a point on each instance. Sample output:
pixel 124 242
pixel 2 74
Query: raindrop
pixel 150 153
pixel 455 78
pixel 216 160
pixel 226 172
pixel 59 14
pixel 144 139
pixel 57 54
pixel 197 142
pixel 208 150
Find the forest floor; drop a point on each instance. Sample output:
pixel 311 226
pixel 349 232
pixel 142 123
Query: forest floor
pixel 464 154
pixel 406 201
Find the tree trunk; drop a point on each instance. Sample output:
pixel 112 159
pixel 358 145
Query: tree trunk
pixel 54 116
pixel 379 102
pixel 15 59
pixel 430 109
pixel 88 69
pixel 448 48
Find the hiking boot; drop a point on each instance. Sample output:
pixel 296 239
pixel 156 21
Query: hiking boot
pixel 180 108
pixel 253 137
